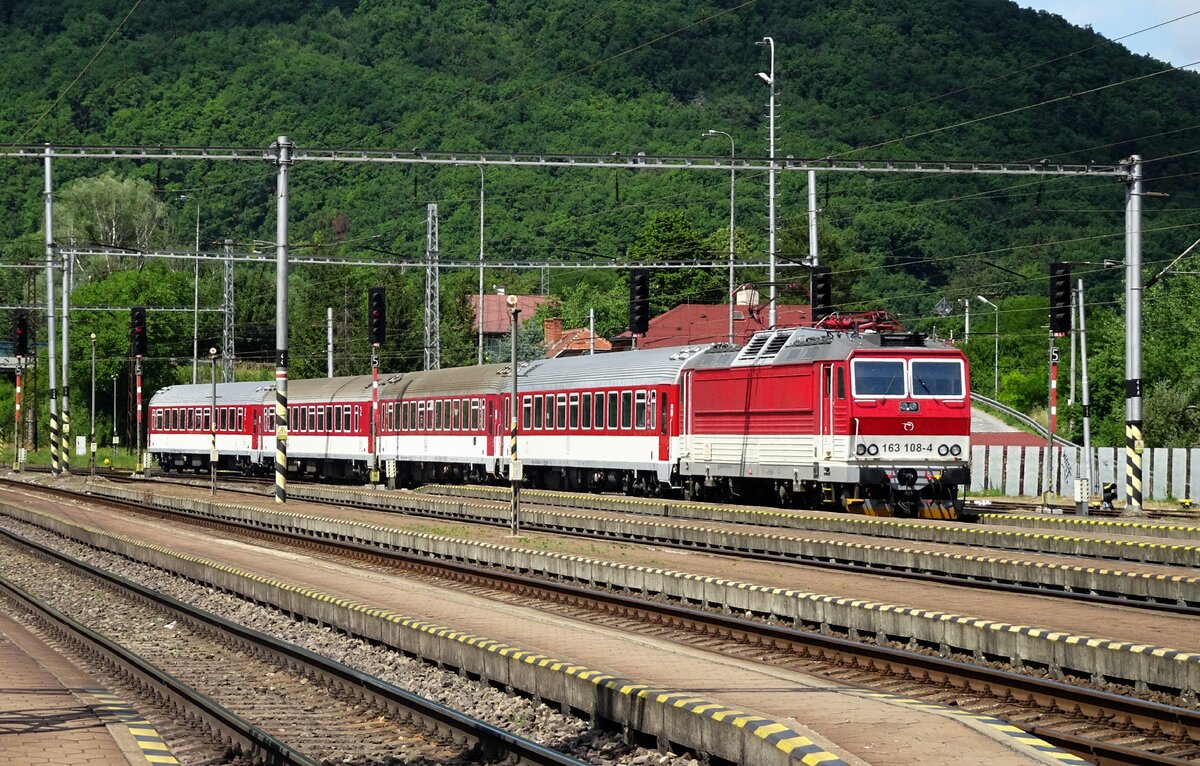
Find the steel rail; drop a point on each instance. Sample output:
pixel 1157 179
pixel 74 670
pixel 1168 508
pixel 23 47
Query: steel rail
pixel 226 724
pixel 492 741
pixel 1092 703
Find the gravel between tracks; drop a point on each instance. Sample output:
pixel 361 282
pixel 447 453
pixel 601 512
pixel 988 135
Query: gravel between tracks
pixel 521 716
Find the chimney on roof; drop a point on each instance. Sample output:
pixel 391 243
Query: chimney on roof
pixel 747 296
pixel 552 331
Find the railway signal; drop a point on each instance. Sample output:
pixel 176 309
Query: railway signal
pixel 377 315
pixel 1060 298
pixel 821 292
pixel 21 335
pixel 639 301
pixel 137 330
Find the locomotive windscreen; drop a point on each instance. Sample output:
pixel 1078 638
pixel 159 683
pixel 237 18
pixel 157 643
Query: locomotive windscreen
pixel 937 377
pixel 878 377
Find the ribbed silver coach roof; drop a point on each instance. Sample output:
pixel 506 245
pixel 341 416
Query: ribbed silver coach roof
pixel 200 395
pixel 647 367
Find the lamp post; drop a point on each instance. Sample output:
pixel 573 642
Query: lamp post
pixel 212 456
pixel 769 79
pixel 732 186
pixel 195 296
pixel 996 349
pixel 92 410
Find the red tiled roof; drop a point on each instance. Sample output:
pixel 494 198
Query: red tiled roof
pixel 709 323
pixel 495 311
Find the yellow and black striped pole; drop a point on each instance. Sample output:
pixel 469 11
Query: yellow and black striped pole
pixel 50 317
pixel 1133 465
pixel 283 161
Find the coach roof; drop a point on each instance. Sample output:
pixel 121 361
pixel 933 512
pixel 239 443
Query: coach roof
pixel 228 394
pixel 647 367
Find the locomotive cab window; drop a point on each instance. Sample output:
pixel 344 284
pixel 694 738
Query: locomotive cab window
pixel 937 377
pixel 878 377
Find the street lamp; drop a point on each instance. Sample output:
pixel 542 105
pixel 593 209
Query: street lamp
pixel 212 456
pixel 732 185
pixel 769 79
pixel 92 410
pixel 195 296
pixel 996 349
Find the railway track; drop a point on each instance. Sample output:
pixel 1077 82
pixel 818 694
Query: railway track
pixel 1099 724
pixel 306 709
pixel 1022 583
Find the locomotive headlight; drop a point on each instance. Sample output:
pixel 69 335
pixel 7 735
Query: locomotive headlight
pixel 873 450
pixel 861 450
pixel 955 450
pixel 943 450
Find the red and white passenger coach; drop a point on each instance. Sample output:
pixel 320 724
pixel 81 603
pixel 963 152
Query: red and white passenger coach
pixel 874 422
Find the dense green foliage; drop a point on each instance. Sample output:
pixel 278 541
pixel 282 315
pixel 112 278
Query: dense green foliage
pixel 862 79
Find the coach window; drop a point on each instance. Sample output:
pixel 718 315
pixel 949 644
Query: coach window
pixel 173 420
pixel 598 411
pixel 537 412
pixel 626 409
pixel 457 423
pixel 650 410
pixel 346 418
pixel 474 414
pixel 613 411
pixel 420 416
pixel 549 411
pixel 639 411
pixel 270 419
pixel 357 418
pixel 574 411
pixel 310 420
pixel 207 419
pixel 191 418
pixel 222 418
pixel 586 410
pixel 526 413
pixel 662 420
pixel 562 411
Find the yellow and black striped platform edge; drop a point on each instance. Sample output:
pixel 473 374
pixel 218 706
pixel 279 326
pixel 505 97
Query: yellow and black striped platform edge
pixel 869 525
pixel 977 623
pixel 153 747
pixel 794 744
pixel 1138 526
pixel 998 725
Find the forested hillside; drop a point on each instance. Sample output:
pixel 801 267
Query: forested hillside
pixel 862 79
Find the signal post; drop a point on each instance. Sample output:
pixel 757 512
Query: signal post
pixel 21 348
pixel 137 340
pixel 377 314
pixel 1060 325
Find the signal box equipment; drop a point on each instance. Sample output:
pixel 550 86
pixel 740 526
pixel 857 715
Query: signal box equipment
pixel 639 301
pixel 21 334
pixel 821 291
pixel 137 330
pixel 1060 298
pixel 376 315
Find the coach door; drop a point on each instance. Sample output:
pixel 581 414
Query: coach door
pixel 255 427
